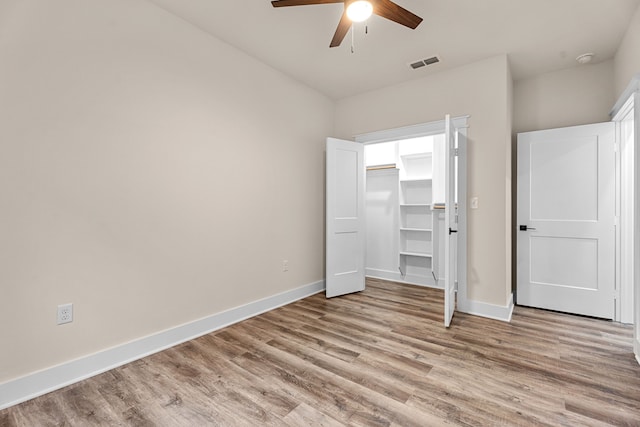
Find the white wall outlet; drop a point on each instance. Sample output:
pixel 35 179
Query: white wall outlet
pixel 65 314
pixel 285 265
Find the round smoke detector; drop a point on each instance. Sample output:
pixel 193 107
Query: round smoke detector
pixel 585 58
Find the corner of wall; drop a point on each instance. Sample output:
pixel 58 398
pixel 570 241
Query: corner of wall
pixel 489 311
pixel 627 60
pixel 510 208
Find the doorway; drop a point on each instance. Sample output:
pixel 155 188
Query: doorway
pixel 415 231
pixel 621 288
pixel 405 222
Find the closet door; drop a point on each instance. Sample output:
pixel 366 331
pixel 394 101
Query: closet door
pixel 450 223
pixel 345 207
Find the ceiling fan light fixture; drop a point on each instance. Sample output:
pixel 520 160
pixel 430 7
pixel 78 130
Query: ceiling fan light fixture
pixel 359 10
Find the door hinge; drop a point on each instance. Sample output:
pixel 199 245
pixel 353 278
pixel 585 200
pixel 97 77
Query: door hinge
pixel 616 147
pixel 455 152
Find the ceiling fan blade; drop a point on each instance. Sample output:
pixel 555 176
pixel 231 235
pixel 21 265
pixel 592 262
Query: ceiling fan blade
pixel 341 31
pixel 281 3
pixel 390 10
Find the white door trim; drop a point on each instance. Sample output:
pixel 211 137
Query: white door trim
pixel 631 96
pixel 625 173
pixel 413 131
pixel 636 237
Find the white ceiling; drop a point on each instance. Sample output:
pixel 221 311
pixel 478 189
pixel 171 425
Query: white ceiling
pixel 538 35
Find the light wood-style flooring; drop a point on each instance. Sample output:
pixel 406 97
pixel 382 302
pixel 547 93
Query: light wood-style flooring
pixel 377 358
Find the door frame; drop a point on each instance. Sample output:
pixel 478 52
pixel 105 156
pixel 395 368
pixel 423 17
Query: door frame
pixel 632 95
pixel 625 171
pixel 460 124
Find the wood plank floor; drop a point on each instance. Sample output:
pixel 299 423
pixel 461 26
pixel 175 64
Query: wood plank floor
pixel 377 358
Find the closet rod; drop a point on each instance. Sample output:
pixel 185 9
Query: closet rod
pixel 380 167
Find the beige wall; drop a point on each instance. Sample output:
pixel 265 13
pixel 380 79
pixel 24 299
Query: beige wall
pixel 481 90
pixel 150 174
pixel 571 97
pixel 627 60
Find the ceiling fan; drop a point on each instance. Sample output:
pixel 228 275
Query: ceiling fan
pixel 358 11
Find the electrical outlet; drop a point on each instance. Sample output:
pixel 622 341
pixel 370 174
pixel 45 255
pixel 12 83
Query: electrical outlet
pixel 285 265
pixel 65 314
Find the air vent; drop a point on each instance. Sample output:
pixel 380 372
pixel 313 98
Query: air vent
pixel 424 62
pixel 432 60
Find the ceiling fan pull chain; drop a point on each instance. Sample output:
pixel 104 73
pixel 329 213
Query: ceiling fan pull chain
pixel 352 39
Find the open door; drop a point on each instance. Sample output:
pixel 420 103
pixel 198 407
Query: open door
pixel 345 206
pixel 450 222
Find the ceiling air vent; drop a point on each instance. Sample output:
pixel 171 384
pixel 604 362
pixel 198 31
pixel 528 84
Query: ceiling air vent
pixel 424 62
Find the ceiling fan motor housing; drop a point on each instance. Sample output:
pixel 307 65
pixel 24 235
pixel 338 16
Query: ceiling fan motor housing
pixel 384 8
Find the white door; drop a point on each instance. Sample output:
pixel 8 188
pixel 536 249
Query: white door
pixel 345 193
pixel 566 213
pixel 450 223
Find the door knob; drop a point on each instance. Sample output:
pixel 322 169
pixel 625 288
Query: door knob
pixel 525 228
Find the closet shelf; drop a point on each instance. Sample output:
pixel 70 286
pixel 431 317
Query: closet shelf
pixel 418 180
pixel 427 230
pixel 415 205
pixel 416 254
pixel 423 155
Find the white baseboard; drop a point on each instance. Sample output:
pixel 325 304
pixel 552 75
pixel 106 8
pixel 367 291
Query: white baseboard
pixel 50 379
pixel 483 309
pixel 395 276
